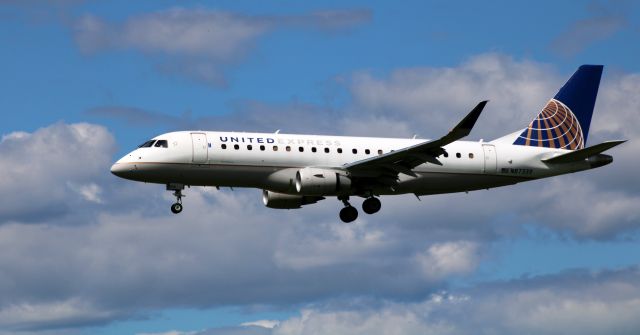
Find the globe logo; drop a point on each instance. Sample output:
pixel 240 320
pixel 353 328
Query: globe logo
pixel 555 127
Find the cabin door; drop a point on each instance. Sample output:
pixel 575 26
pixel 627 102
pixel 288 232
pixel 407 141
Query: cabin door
pixel 490 159
pixel 200 153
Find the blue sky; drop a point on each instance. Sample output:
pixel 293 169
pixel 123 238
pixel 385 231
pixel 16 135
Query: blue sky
pixel 84 82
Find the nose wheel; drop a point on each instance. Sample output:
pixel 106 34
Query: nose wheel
pixel 176 208
pixel 177 192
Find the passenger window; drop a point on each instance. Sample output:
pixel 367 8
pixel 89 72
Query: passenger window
pixel 367 151
pixel 275 148
pixel 288 148
pixel 301 149
pixel 223 146
pixel 458 155
pixel 379 152
pixel 162 144
pixel 262 148
pixel 249 147
pixel 355 151
pixel 339 150
pixel 471 155
pixel 313 149
pixel 446 154
pixel 236 146
pixel 326 150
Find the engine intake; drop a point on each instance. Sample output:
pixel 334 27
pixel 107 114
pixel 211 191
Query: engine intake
pixel 287 201
pixel 315 181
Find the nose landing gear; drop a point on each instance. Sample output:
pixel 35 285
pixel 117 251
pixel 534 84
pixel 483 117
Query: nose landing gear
pixel 177 192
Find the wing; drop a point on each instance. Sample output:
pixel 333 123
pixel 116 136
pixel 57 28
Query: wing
pixel 389 165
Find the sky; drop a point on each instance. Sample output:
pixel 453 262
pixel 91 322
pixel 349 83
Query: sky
pixel 83 252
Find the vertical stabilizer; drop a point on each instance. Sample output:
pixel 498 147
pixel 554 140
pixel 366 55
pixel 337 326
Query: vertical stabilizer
pixel 564 122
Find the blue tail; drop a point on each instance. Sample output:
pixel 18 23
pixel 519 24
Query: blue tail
pixel 564 121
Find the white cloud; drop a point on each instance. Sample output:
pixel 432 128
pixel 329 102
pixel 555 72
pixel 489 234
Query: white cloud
pixel 391 320
pixel 131 261
pixel 432 100
pixel 32 316
pixel 448 258
pixel 569 303
pixel 200 43
pixel 337 244
pixel 572 302
pixel 590 212
pixel 262 323
pixel 201 32
pixel 171 332
pixel 216 34
pixel 617 106
pixel 90 192
pixel 16 135
pixel 220 35
pixel 40 167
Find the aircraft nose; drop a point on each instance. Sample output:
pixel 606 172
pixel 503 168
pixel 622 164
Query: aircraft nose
pixel 120 170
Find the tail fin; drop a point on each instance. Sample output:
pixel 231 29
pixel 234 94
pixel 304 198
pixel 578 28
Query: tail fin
pixel 564 121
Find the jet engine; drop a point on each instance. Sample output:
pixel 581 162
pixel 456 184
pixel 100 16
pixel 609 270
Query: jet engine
pixel 287 201
pixel 315 181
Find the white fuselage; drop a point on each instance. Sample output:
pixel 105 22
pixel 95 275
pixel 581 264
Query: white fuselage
pixel 270 161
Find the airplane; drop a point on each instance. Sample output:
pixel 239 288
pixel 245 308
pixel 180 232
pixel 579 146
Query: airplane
pixel 298 170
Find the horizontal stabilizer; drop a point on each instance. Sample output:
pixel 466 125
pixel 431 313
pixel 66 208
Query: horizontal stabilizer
pixel 582 154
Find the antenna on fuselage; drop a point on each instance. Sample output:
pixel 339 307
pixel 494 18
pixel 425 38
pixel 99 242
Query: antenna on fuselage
pixel 277 131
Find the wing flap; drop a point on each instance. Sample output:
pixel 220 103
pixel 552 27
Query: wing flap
pixel 399 168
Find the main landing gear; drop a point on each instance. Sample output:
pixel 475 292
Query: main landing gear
pixel 371 205
pixel 349 213
pixel 177 192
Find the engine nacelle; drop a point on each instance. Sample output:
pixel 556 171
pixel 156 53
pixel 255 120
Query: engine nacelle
pixel 315 181
pixel 287 201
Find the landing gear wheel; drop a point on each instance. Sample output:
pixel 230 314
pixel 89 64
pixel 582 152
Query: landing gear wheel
pixel 348 214
pixel 176 208
pixel 177 192
pixel 371 205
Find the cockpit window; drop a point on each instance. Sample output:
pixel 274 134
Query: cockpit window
pixel 161 144
pixel 146 144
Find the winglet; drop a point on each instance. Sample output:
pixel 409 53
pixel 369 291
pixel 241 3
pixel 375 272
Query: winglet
pixel 463 128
